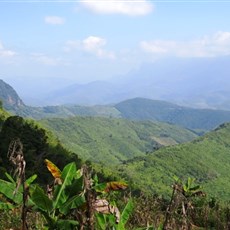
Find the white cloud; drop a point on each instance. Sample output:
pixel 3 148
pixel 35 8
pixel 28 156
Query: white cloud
pixel 208 46
pixel 54 20
pixel 222 38
pixel 6 53
pixel 92 44
pixel 45 60
pixel 72 45
pixel 157 46
pixel 126 7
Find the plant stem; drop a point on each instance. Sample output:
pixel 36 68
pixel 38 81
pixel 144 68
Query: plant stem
pixel 89 198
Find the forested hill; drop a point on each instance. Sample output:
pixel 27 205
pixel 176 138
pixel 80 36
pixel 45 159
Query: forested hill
pixel 207 159
pixel 140 147
pixel 110 141
pixel 146 109
pixel 3 114
pixel 38 144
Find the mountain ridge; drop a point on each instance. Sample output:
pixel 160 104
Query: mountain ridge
pixel 147 109
pixel 206 159
pixel 137 108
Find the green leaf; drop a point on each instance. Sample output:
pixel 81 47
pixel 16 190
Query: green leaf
pixel 196 188
pixel 75 187
pixel 10 178
pixel 101 221
pixel 95 179
pixel 41 200
pixel 66 224
pixel 100 187
pixel 126 214
pixel 74 202
pixel 30 180
pixel 7 189
pixel 50 221
pixel 176 178
pixel 190 182
pixel 68 173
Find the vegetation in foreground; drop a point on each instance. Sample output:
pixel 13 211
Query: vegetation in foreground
pixel 77 200
pixel 74 199
pixel 184 208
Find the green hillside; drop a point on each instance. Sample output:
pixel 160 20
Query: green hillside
pixel 206 158
pixel 38 144
pixel 146 154
pixel 111 141
pixel 196 119
pixel 66 111
pixel 3 114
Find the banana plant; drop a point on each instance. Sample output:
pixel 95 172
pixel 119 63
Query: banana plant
pixel 182 202
pixel 7 189
pixel 108 219
pixel 67 195
pixel 107 214
pixel 127 211
pixel 188 189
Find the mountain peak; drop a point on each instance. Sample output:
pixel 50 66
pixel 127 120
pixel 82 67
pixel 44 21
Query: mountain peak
pixel 9 97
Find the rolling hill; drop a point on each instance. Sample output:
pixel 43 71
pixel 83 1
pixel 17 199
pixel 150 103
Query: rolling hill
pixel 111 141
pixel 146 109
pixel 206 158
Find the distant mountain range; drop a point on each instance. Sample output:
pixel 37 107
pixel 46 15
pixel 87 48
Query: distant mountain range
pixel 135 109
pixel 192 82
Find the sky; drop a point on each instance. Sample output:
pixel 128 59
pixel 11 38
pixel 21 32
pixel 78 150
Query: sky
pixel 84 41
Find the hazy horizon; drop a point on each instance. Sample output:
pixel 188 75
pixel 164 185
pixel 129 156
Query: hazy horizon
pixel 49 45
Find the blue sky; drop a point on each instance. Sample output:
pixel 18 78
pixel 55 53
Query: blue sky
pixel 83 41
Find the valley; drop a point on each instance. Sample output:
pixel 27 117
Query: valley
pixel 148 143
pixel 111 141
